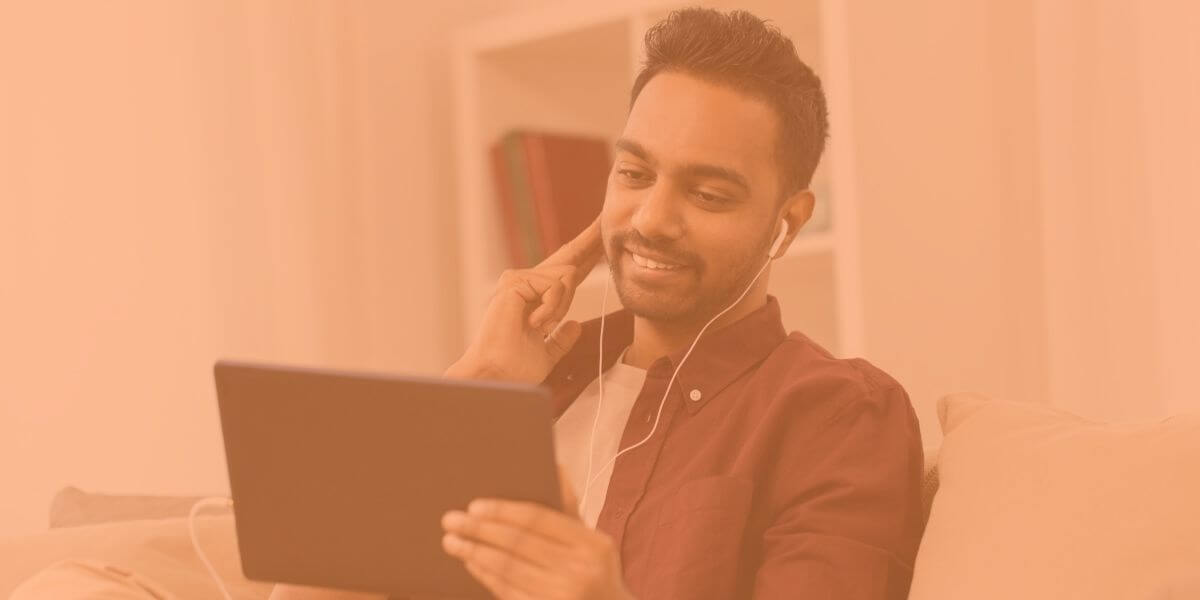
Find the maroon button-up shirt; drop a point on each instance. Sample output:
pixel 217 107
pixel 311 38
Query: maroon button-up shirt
pixel 776 471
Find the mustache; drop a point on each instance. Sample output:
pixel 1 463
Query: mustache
pixel 633 240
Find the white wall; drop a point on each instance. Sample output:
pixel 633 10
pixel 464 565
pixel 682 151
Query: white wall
pixel 948 206
pixel 184 181
pixel 1118 93
pixel 1029 185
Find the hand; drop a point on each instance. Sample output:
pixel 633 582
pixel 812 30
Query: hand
pixel 526 551
pixel 521 338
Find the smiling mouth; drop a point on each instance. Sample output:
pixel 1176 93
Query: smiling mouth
pixel 648 263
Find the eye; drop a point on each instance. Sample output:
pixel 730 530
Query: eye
pixel 631 175
pixel 711 199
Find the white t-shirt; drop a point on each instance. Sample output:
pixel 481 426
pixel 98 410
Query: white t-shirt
pixel 573 430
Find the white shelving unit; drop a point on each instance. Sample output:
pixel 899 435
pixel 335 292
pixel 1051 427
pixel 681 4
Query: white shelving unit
pixel 570 68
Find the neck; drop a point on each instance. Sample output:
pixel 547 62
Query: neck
pixel 653 339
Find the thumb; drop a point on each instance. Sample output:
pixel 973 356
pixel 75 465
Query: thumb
pixel 561 340
pixel 570 502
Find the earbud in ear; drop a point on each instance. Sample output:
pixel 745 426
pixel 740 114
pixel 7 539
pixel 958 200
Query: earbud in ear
pixel 783 230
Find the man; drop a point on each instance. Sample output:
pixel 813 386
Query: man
pixel 752 465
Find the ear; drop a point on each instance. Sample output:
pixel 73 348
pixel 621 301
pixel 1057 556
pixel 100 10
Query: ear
pixel 797 210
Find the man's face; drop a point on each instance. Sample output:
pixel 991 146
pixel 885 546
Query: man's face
pixel 705 235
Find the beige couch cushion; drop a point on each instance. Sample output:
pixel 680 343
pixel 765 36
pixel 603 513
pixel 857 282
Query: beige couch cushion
pixel 1037 503
pixel 93 579
pixel 158 551
pixel 72 507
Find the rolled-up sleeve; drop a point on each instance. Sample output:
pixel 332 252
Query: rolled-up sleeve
pixel 845 499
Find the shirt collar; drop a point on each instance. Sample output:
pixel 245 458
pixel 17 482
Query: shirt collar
pixel 720 357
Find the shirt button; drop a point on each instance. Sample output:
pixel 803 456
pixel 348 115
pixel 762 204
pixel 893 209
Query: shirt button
pixel 695 395
pixel 570 377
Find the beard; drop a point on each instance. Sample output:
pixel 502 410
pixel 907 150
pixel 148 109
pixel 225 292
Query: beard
pixel 696 293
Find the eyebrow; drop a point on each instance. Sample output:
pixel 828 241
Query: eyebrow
pixel 694 170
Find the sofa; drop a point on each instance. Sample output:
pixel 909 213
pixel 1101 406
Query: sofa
pixel 1022 501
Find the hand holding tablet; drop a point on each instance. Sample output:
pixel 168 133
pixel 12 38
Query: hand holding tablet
pixel 521 549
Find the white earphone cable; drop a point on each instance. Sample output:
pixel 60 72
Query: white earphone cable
pixel 196 508
pixel 590 479
pixel 599 401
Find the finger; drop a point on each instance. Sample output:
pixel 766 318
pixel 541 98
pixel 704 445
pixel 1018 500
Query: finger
pixel 529 285
pixel 545 521
pixel 528 545
pixel 509 573
pixel 511 277
pixel 499 588
pixel 550 302
pixel 584 251
pixel 570 502
pixel 554 312
pixel 562 339
pixel 570 283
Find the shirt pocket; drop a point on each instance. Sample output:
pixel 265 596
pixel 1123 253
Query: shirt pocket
pixel 698 537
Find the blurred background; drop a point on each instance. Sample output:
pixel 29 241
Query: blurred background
pixel 1011 193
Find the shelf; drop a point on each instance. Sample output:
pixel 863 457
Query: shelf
pixel 543 22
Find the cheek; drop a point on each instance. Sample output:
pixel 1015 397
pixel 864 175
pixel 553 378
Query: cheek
pixel 727 256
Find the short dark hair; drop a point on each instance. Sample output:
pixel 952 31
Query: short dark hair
pixel 741 51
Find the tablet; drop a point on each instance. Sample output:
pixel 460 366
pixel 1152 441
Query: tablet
pixel 340 479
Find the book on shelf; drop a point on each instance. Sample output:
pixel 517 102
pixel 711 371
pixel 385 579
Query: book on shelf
pixel 549 187
pixel 512 191
pixel 508 210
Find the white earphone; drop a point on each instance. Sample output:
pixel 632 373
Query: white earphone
pixel 779 240
pixel 589 479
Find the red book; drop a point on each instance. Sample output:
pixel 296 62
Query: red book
pixel 568 176
pixel 507 205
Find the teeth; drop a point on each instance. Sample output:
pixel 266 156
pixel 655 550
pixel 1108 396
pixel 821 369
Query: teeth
pixel 642 261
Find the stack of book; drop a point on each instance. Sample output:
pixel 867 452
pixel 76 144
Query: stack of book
pixel 550 186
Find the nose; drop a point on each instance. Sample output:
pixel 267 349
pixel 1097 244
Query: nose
pixel 657 214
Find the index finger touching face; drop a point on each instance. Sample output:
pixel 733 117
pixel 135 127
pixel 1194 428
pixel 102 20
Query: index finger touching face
pixel 583 252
